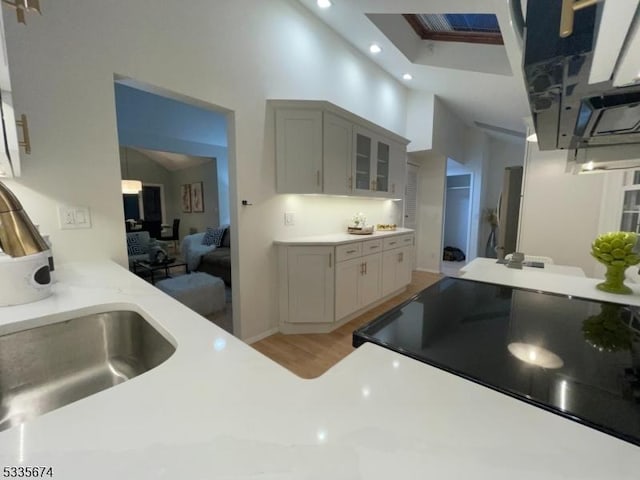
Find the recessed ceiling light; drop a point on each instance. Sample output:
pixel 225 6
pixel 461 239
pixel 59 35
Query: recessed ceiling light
pixel 407 76
pixel 324 3
pixel 375 48
pixel 532 138
pixel 589 166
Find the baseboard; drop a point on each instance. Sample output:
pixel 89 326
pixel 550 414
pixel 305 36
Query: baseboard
pixel 304 328
pixel 263 335
pixel 428 270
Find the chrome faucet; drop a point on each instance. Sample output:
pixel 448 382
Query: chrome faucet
pixel 18 236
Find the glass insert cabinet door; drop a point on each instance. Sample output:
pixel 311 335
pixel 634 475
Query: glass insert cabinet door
pixel 372 162
pixel 382 167
pixel 364 147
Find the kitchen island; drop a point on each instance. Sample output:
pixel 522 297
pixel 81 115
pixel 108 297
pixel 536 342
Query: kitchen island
pixel 219 409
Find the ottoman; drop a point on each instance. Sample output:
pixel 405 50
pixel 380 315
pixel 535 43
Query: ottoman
pixel 199 291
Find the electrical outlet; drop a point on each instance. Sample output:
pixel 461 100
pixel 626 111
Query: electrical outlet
pixel 289 218
pixel 74 217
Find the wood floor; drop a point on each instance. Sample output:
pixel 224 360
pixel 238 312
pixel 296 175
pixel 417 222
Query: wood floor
pixel 310 355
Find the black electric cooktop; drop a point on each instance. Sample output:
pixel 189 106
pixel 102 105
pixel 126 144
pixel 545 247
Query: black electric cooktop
pixel 574 357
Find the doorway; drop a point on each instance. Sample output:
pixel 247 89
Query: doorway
pixel 176 150
pixel 456 235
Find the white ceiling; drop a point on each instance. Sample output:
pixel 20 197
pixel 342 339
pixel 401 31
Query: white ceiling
pixel 172 161
pixel 497 99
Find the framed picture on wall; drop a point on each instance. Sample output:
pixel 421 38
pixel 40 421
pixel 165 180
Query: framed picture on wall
pixel 197 198
pixel 185 194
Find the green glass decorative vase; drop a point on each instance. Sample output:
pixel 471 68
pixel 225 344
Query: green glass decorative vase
pixel 615 250
pixel 614 281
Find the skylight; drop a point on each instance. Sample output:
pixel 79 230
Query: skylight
pixel 457 27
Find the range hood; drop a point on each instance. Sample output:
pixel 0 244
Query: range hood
pixel 582 70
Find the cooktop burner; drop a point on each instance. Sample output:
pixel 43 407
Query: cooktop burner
pixel 577 358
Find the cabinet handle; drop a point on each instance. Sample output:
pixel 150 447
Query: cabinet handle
pixel 351 251
pixel 400 257
pixel 318 177
pixel 362 269
pixel 330 264
pixel 392 243
pixel 374 246
pixel 26 140
pixel 569 8
pixel 350 183
pixel 365 268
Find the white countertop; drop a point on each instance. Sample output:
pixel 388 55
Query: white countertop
pixel 339 238
pixel 219 409
pixel 565 280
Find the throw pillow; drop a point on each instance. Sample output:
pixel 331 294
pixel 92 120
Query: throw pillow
pixel 213 236
pixel 134 247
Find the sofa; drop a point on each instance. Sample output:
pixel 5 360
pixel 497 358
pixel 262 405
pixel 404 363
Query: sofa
pixel 209 259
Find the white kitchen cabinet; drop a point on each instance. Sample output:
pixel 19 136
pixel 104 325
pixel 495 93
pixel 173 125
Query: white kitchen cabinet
pixel 336 158
pixel 325 283
pixel 348 275
pixel 397 266
pixel 321 148
pixel 358 283
pixel 310 273
pixel 299 151
pixel 398 172
pixel 10 152
pixel 370 286
pixel 372 163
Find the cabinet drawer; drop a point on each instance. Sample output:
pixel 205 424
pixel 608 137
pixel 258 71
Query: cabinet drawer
pixel 348 251
pixel 371 246
pixel 398 241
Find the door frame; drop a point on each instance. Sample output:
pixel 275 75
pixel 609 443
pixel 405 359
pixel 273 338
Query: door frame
pixel 163 207
pixel 469 214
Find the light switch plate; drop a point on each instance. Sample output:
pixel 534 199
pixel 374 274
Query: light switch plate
pixel 74 217
pixel 289 219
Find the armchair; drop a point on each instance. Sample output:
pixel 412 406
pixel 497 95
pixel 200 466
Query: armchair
pixel 139 245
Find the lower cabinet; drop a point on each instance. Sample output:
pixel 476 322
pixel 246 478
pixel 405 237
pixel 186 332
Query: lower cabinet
pixel 397 266
pixel 311 284
pixel 358 283
pixel 323 285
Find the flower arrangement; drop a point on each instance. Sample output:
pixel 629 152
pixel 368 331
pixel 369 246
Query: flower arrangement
pixel 491 216
pixel 359 220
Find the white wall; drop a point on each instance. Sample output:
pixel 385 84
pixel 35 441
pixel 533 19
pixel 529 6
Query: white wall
pixel 560 211
pixel 420 111
pixel 449 132
pixel 199 221
pixel 431 188
pixel 231 54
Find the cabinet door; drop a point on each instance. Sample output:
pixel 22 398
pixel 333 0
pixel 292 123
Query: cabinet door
pixel 382 167
pixel 348 275
pixel 390 260
pixel 299 151
pixel 398 170
pixel 363 164
pixel 370 288
pixel 311 284
pixel 337 153
pixel 405 267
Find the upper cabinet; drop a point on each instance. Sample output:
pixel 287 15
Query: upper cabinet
pixel 321 148
pixel 10 151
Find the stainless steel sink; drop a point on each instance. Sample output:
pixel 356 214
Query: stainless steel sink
pixel 45 368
